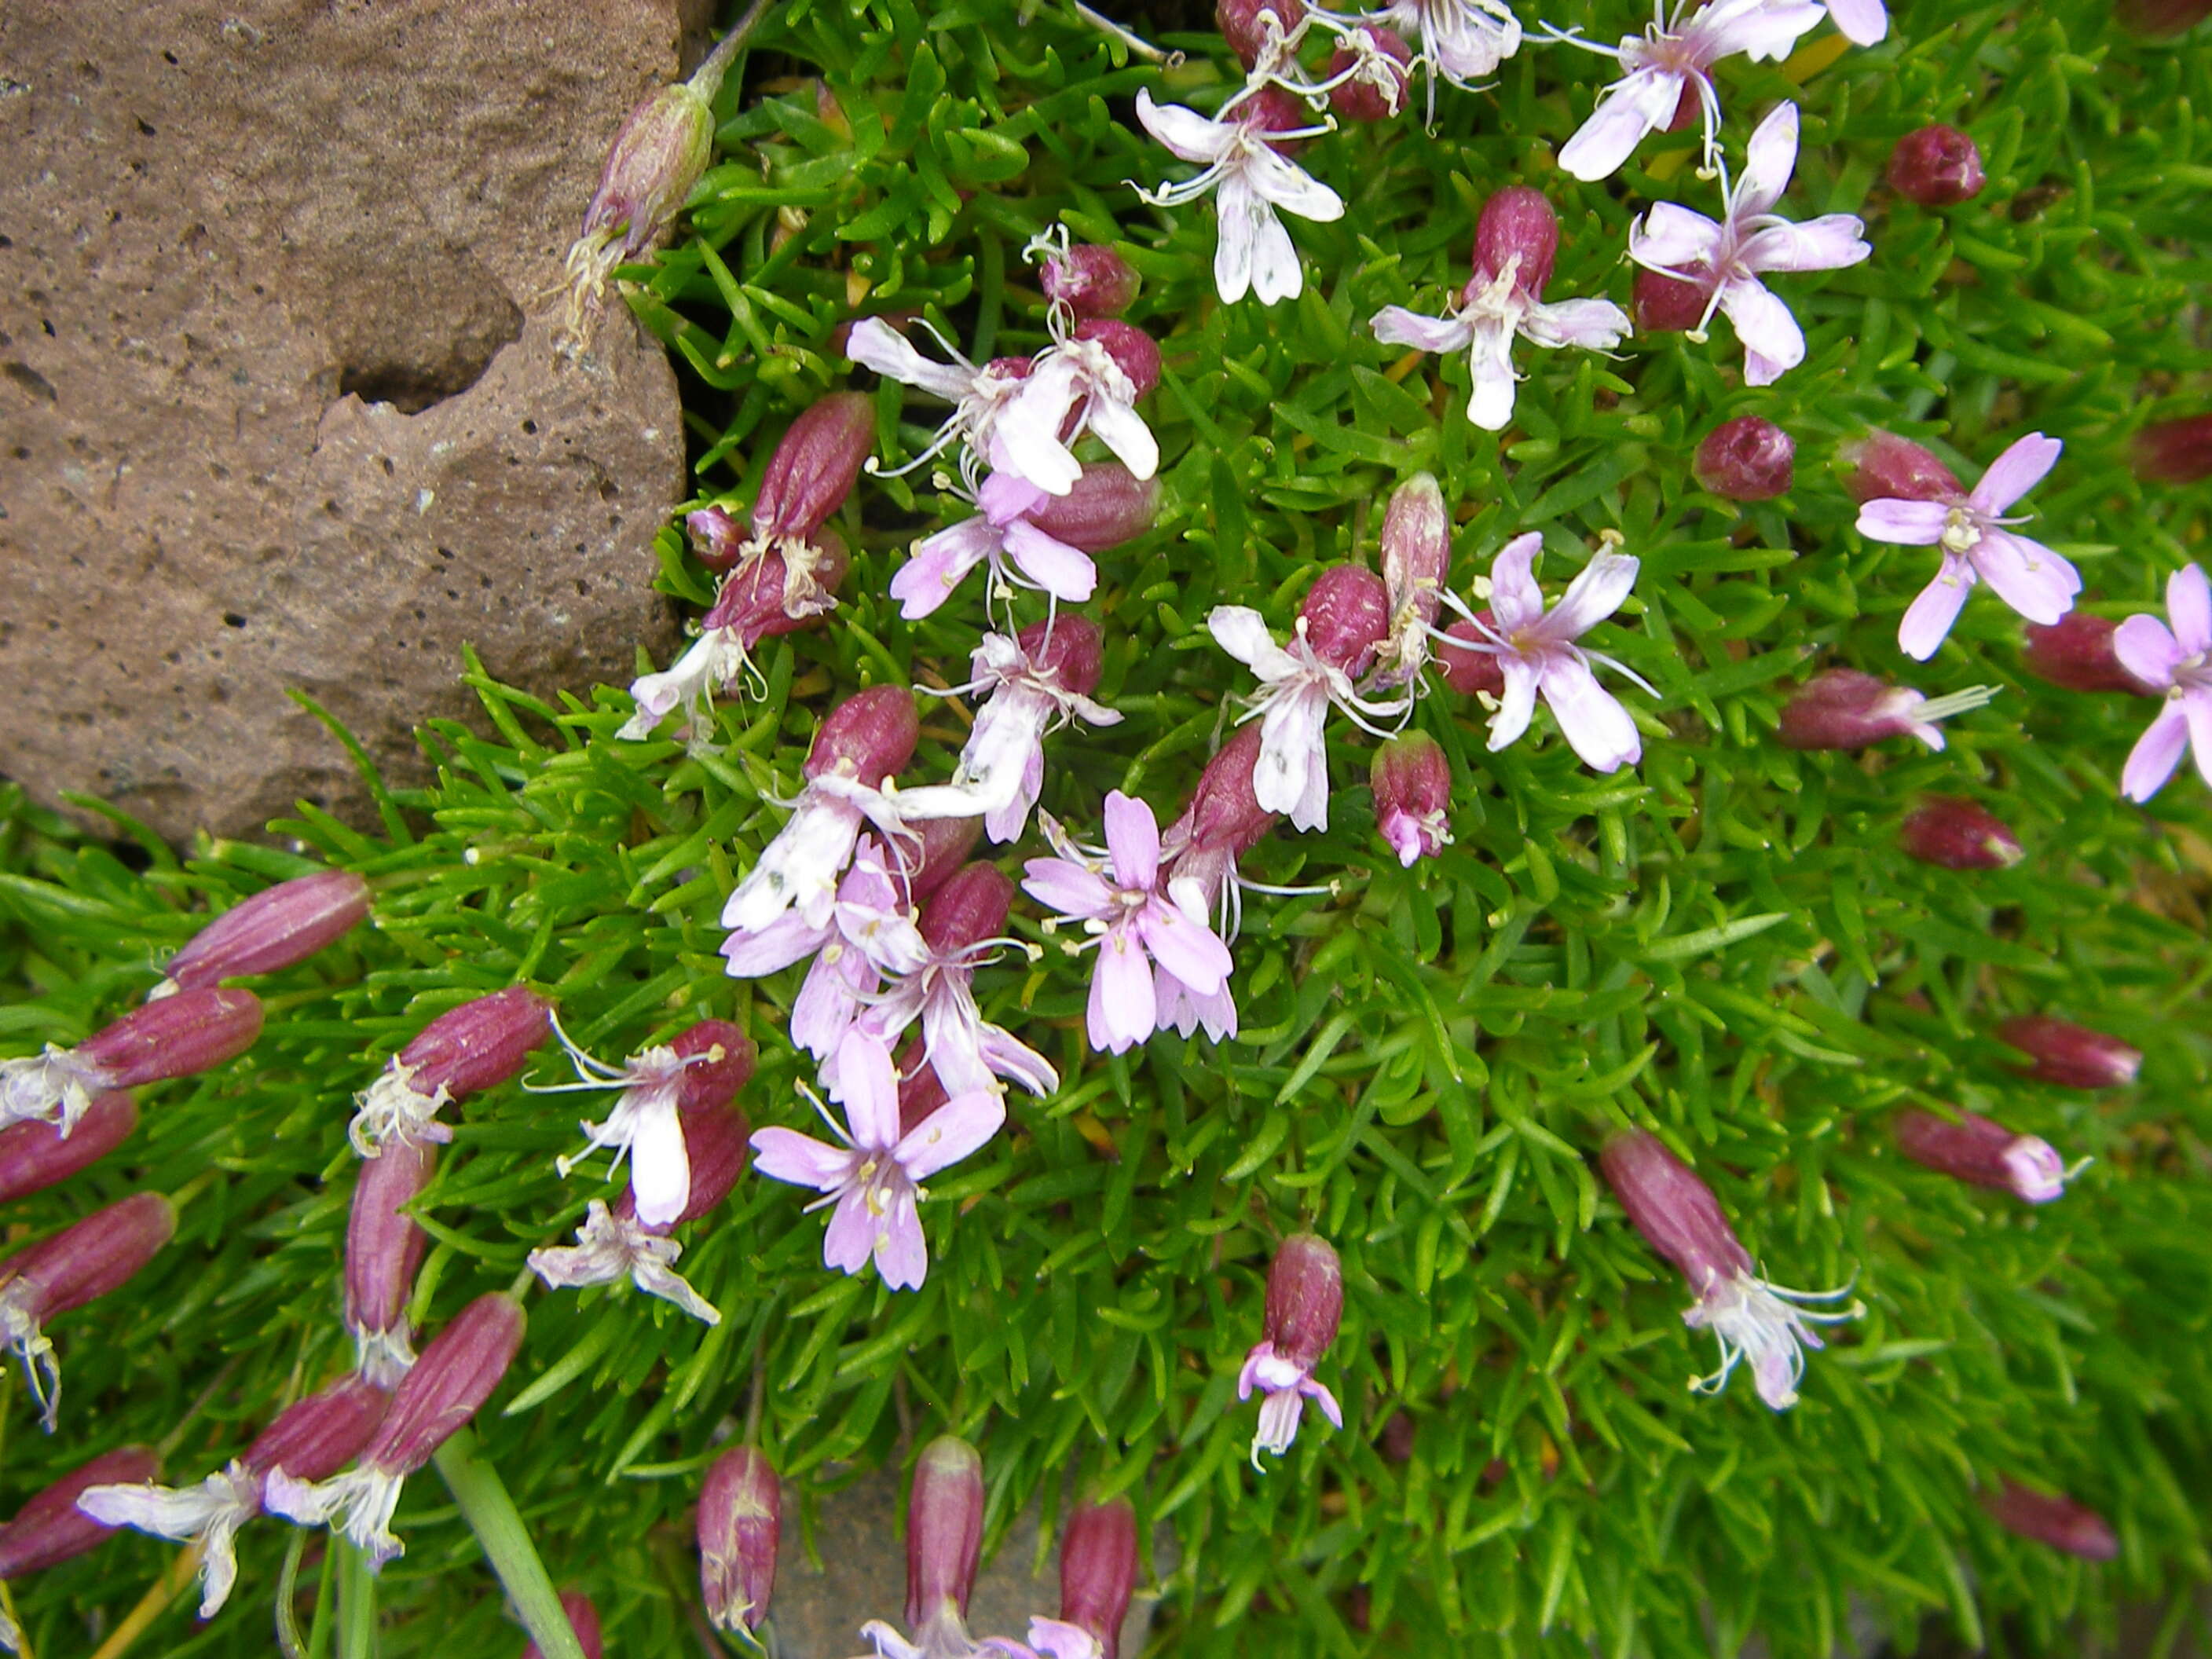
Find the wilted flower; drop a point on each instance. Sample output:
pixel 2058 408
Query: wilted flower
pixel 2179 662
pixel 1751 240
pixel 1098 1571
pixel 1461 41
pixel 477 1046
pixel 1746 460
pixel 178 1036
pixel 1959 836
pixel 1368 73
pixel 1115 895
pixel 1305 1303
pixel 944 1542
pixel 1985 1153
pixel 1088 280
pixel 2052 1519
pixel 50 1530
pixel 1843 708
pixel 383 1248
pixel 277 928
pixel 2078 653
pixel 656 159
pixel 874 1180
pixel 1936 166
pixel 35 1155
pixel 457 1373
pixel 2072 1056
pixel 1536 653
pixel 1977 547
pixel 1679 1217
pixel 1416 543
pixel 1412 782
pixel 315 1438
pixel 81 1263
pixel 1671 60
pixel 1254 253
pixel 1516 240
pixel 740 1523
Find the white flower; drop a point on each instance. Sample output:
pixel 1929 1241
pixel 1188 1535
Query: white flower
pixel 1461 41
pixel 1493 313
pixel 980 396
pixel 1075 387
pixel 609 1247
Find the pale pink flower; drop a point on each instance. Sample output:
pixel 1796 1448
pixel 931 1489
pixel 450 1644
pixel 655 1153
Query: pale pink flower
pixel 2179 662
pixel 1003 535
pixel 1861 22
pixel 1253 254
pixel 1536 653
pixel 1080 383
pixel 1115 895
pixel 980 396
pixel 873 1183
pixel 1462 41
pixel 1977 547
pixel 1728 259
pixel 1670 56
pixel 1492 312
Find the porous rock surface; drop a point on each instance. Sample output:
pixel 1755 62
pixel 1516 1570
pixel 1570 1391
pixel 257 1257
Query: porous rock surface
pixel 279 400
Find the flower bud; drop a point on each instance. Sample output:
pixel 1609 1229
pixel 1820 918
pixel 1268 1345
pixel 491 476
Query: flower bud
pixel 1416 549
pixel 2076 653
pixel 79 1264
pixel 967 910
pixel 1098 1571
pixel 583 1624
pixel 1223 815
pixel 730 1058
pixel 1516 223
pixel 1346 614
pixel 2056 1521
pixel 714 1143
pixel 655 160
pixel 277 928
pixel 2175 452
pixel 1470 670
pixel 1668 304
pixel 741 1524
pixel 465 1050
pixel 1107 505
pixel 944 1530
pixel 815 467
pixel 1305 1299
pixel 383 1248
pixel 1987 1154
pixel 1240 25
pixel 2161 17
pixel 175 1036
pixel 1882 466
pixel 1843 708
pixel 1413 796
pixel 1674 1210
pixel 1378 91
pixel 50 1530
pixel 34 1155
pixel 1134 352
pixel 1746 460
pixel 717 540
pixel 2069 1055
pixel 867 737
pixel 1936 166
pixel 317 1436
pixel 1069 647
pixel 945 844
pixel 1957 836
pixel 1090 281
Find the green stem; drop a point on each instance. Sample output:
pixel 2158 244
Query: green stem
pixel 707 78
pixel 491 1515
pixel 356 1603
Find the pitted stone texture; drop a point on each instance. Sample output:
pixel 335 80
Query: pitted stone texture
pixel 279 404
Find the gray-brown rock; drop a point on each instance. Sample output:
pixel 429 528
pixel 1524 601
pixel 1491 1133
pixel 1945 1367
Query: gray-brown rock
pixel 279 401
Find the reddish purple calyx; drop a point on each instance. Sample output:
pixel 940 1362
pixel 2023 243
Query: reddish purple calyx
pixel 477 1046
pixel 1936 166
pixel 1746 460
pixel 2069 1055
pixel 1090 281
pixel 1957 835
pixel 740 1525
pixel 275 929
pixel 2076 653
pixel 1983 1153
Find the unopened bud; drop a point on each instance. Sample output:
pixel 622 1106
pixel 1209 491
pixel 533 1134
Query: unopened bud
pixel 815 467
pixel 79 1264
pixel 1674 1210
pixel 1936 166
pixel 1416 549
pixel 1069 647
pixel 583 1624
pixel 1240 25
pixel 34 1155
pixel 1746 460
pixel 1882 466
pixel 1091 281
pixel 1134 352
pixel 1668 304
pixel 867 737
pixel 1843 708
pixel 50 1530
pixel 1983 1152
pixel 945 844
pixel 1107 505
pixel 2069 1055
pixel 175 1036
pixel 1098 1571
pixel 967 910
pixel 1346 614
pixel 383 1248
pixel 465 1050
pixel 1377 92
pixel 2175 452
pixel 1413 796
pixel 944 1530
pixel 1305 1299
pixel 725 1059
pixel 277 928
pixel 718 541
pixel 1518 227
pixel 1957 836
pixel 741 1524
pixel 2051 1519
pixel 1472 667
pixel 1224 814
pixel 2076 653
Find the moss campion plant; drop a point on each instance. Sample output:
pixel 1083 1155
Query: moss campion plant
pixel 1337 749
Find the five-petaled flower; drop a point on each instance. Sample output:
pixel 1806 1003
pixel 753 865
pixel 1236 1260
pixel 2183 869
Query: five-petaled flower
pixel 2179 662
pixel 1726 259
pixel 1977 547
pixel 1461 41
pixel 1115 895
pixel 980 396
pixel 874 1181
pixel 1251 179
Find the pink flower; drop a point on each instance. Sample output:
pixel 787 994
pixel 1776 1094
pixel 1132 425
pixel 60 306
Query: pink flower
pixel 1751 240
pixel 1088 380
pixel 1861 22
pixel 1536 653
pixel 1411 783
pixel 980 396
pixel 1305 1306
pixel 2179 663
pixel 874 1181
pixel 1115 895
pixel 1461 41
pixel 1669 60
pixel 1977 547
pixel 1253 254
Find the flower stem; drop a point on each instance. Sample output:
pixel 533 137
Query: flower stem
pixel 491 1515
pixel 356 1603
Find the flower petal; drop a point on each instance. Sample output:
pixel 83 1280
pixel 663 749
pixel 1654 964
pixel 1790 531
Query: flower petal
pixel 961 1126
pixel 1188 950
pixel 1133 840
pixel 1242 214
pixel 1490 367
pixel 1671 238
pixel 1067 888
pixel 1276 273
pixel 1122 1001
pixel 1518 706
pixel 786 939
pixel 1290 187
pixel 1243 632
pixel 1515 601
pixel 2147 651
pixel 1396 326
pixel 850 1238
pixel 1599 590
pixel 786 1155
pixel 1185 131
pixel 1591 717
pixel 1861 22
pixel 2189 603
pixel 1763 323
pixel 1289 747
pixel 1927 619
pixel 902 1251
pixel 659 1165
pixel 874 344
pixel 1769 159
pixel 1066 573
pixel 2156 753
pixel 2026 575
pixel 1910 523
pixel 1122 430
pixel 939 563
pixel 1597 324
pixel 2013 473
pixel 867 1088
pixel 1827 243
pixel 1631 107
